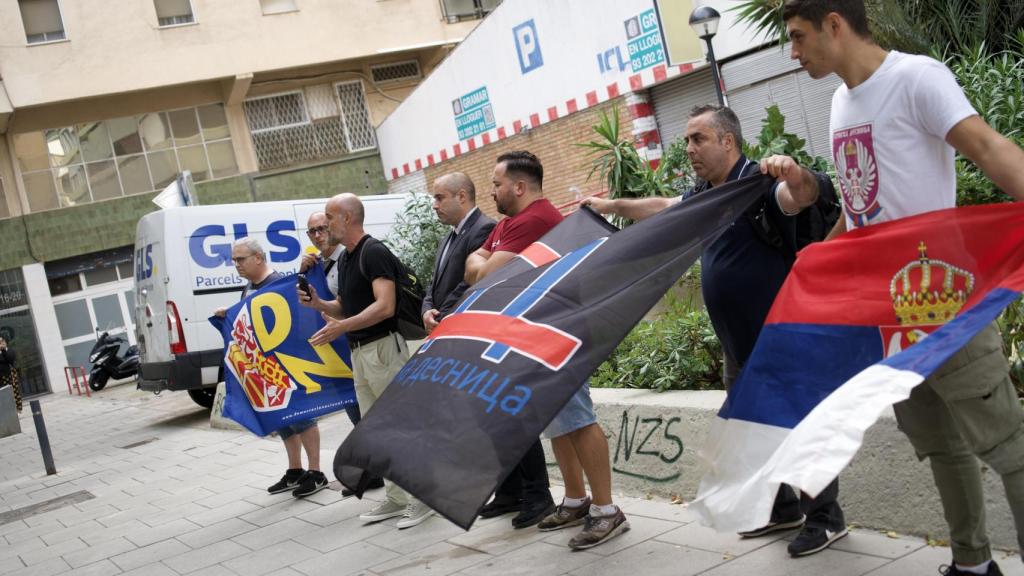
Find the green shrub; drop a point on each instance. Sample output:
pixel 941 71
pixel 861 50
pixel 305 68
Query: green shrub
pixel 416 235
pixel 774 139
pixel 676 351
pixel 625 173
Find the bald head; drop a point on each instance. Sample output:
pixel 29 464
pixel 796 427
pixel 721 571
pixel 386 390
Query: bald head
pixel 456 181
pixel 345 220
pixel 453 197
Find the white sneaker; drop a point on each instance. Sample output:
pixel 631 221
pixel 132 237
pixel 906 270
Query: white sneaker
pixel 415 513
pixel 383 511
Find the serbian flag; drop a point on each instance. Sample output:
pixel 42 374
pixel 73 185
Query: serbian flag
pixel 469 403
pixel 273 376
pixel 859 322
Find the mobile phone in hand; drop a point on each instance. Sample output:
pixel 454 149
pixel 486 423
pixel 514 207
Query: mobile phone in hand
pixel 304 285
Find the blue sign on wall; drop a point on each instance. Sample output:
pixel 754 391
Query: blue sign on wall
pixel 473 113
pixel 528 46
pixel 644 41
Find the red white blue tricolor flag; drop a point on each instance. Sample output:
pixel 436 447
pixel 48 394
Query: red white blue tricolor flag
pixel 860 321
pixel 273 376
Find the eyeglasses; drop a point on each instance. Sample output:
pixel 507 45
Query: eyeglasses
pixel 317 230
pixel 241 259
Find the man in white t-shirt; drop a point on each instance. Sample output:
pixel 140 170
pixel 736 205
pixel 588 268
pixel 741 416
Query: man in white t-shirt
pixel 895 123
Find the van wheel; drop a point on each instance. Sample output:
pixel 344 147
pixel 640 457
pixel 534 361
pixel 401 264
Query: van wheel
pixel 203 396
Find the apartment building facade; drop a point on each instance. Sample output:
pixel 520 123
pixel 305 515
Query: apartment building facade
pixel 102 104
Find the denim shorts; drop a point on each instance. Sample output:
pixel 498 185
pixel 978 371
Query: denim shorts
pixel 293 429
pixel 578 413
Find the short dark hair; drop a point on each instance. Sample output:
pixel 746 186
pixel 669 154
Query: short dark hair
pixel 814 11
pixel 524 164
pixel 723 119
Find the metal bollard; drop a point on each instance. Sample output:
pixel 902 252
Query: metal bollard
pixel 44 440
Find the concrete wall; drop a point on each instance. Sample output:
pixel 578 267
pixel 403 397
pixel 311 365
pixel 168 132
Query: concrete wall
pixel 556 144
pixel 654 438
pixel 117 45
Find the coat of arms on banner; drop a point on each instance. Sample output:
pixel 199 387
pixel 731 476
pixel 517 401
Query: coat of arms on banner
pixel 273 376
pixel 263 380
pixel 926 294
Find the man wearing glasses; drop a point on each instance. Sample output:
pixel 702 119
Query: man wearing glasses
pixel 250 262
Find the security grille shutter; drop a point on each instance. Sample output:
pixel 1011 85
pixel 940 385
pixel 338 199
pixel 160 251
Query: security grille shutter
pixel 356 116
pixel 768 77
pixel 674 100
pixel 818 106
pixel 396 72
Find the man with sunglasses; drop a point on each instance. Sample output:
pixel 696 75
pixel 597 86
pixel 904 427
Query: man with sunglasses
pixel 330 255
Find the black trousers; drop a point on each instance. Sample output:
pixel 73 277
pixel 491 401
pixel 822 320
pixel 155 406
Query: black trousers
pixel 528 481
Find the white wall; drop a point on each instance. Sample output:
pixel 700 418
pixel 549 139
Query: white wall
pixel 45 320
pixel 573 36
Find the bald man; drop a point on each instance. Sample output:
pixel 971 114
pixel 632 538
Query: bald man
pixel 455 205
pixel 365 311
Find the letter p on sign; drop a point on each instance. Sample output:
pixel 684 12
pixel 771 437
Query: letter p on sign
pixel 527 46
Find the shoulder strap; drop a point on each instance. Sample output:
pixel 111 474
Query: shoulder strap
pixel 362 252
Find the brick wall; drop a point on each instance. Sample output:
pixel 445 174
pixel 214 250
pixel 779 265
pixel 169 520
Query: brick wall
pixel 555 143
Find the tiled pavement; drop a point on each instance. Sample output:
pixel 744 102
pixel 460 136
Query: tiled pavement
pixel 173 496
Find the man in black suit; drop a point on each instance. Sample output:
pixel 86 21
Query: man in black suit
pixel 455 205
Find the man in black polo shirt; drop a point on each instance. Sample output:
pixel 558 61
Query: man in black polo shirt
pixel 365 311
pixel 741 273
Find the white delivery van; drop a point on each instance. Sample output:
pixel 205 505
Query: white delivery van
pixel 183 272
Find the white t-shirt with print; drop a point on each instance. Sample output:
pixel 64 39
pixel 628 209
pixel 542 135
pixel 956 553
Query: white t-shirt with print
pixel 889 140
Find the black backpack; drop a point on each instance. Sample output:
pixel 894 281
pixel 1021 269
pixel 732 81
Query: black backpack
pixel 408 299
pixel 812 224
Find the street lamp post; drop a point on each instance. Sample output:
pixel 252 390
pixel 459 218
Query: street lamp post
pixel 704 21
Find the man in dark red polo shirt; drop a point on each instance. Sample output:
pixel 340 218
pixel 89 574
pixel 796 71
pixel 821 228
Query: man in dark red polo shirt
pixel 577 440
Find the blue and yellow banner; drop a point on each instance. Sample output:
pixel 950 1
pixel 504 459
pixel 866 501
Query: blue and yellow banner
pixel 273 376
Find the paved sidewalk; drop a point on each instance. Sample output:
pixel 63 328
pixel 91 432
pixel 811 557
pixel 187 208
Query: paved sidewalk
pixel 172 496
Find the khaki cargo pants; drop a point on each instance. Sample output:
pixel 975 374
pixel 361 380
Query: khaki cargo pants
pixel 968 408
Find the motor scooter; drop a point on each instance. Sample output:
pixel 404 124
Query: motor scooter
pixel 107 363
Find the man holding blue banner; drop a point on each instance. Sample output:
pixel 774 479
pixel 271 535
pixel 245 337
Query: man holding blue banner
pixel 895 123
pixel 250 262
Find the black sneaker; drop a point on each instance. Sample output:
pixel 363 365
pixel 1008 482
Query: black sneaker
pixel 371 485
pixel 813 539
pixel 774 527
pixel 532 514
pixel 311 483
pixel 287 482
pixel 952 570
pixel 499 506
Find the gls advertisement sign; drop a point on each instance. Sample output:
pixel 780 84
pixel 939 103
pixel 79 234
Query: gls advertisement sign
pixel 210 248
pixel 527 46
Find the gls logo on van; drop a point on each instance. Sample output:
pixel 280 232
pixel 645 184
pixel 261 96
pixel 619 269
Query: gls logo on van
pixel 144 262
pixel 527 46
pixel 210 254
